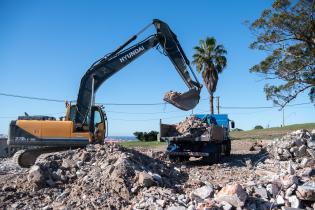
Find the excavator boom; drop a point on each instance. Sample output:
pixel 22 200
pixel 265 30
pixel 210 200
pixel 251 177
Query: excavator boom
pixel 104 68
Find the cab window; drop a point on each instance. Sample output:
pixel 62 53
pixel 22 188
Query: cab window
pixel 97 118
pixel 72 113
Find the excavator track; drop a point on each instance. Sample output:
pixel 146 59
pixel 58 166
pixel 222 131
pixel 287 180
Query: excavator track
pixel 27 157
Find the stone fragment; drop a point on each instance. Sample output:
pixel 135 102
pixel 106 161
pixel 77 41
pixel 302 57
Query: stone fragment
pixel 273 189
pixel 301 151
pixel 225 205
pixel 294 201
pixel 160 202
pixel 176 208
pixel 306 162
pixel 290 191
pixel 145 179
pixel 280 200
pixel 203 192
pixel 311 153
pixel 68 164
pixel 261 192
pixel 291 170
pixel 288 180
pixel 306 191
pixel 233 194
pixel 36 176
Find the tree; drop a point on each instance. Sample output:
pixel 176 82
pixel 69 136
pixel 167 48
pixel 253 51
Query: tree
pixel 287 32
pixel 210 61
pixel 257 127
pixel 144 136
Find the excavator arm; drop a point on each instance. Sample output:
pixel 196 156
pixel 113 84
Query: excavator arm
pixel 104 68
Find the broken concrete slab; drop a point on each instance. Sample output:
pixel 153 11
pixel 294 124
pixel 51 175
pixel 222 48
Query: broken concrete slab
pixel 233 194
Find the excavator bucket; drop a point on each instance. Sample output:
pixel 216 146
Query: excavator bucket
pixel 184 101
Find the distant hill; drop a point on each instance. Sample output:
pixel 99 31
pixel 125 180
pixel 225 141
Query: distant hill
pixel 269 133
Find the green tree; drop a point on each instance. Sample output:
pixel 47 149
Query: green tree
pixel 286 32
pixel 210 61
pixel 146 136
pixel 257 127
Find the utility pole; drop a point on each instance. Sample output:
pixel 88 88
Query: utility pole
pixel 283 117
pixel 218 104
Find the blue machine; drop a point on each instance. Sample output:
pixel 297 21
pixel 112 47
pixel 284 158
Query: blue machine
pixel 209 148
pixel 221 120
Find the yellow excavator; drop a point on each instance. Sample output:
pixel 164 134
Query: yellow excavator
pixel 85 122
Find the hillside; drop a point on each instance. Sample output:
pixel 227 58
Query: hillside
pixel 269 133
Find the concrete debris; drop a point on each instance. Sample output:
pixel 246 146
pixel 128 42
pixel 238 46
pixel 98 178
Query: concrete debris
pixel 202 192
pixel 233 194
pixel 191 126
pixel 280 175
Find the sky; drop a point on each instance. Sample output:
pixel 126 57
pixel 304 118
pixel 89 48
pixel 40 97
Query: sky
pixel 46 47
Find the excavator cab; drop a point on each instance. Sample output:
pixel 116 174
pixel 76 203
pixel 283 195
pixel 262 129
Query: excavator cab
pixel 94 123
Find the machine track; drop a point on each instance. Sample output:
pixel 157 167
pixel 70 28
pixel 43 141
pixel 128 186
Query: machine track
pixel 27 157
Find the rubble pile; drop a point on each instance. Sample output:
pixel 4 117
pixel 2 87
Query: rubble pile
pixel 191 126
pixel 99 176
pixel 286 177
pixel 279 176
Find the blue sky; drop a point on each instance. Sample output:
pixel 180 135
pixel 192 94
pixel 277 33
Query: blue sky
pixel 46 47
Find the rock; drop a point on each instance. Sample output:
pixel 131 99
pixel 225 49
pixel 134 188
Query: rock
pixel 225 205
pixel 306 162
pixel 160 202
pixel 273 189
pixel 68 164
pixel 288 180
pixel 157 178
pixel 233 194
pixel 145 179
pixel 311 153
pixel 291 171
pixel 249 163
pixel 308 172
pixel 294 201
pixel 36 176
pixel 176 208
pixel 280 200
pixel 290 191
pixel 286 154
pixel 191 207
pixel 306 191
pixel 261 192
pixel 302 151
pixel 203 192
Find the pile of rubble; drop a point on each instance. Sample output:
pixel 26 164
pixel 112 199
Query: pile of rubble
pixel 288 173
pixel 280 176
pixel 191 126
pixel 99 176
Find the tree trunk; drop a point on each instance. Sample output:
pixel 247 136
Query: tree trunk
pixel 211 103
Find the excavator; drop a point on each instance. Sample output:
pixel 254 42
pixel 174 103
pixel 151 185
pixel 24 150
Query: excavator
pixel 85 122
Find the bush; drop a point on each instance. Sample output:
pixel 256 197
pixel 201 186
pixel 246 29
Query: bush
pixel 257 127
pixel 144 136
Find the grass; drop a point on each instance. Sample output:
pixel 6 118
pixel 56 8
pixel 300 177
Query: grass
pixel 269 133
pixel 144 144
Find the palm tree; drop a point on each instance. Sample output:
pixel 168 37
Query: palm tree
pixel 210 60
